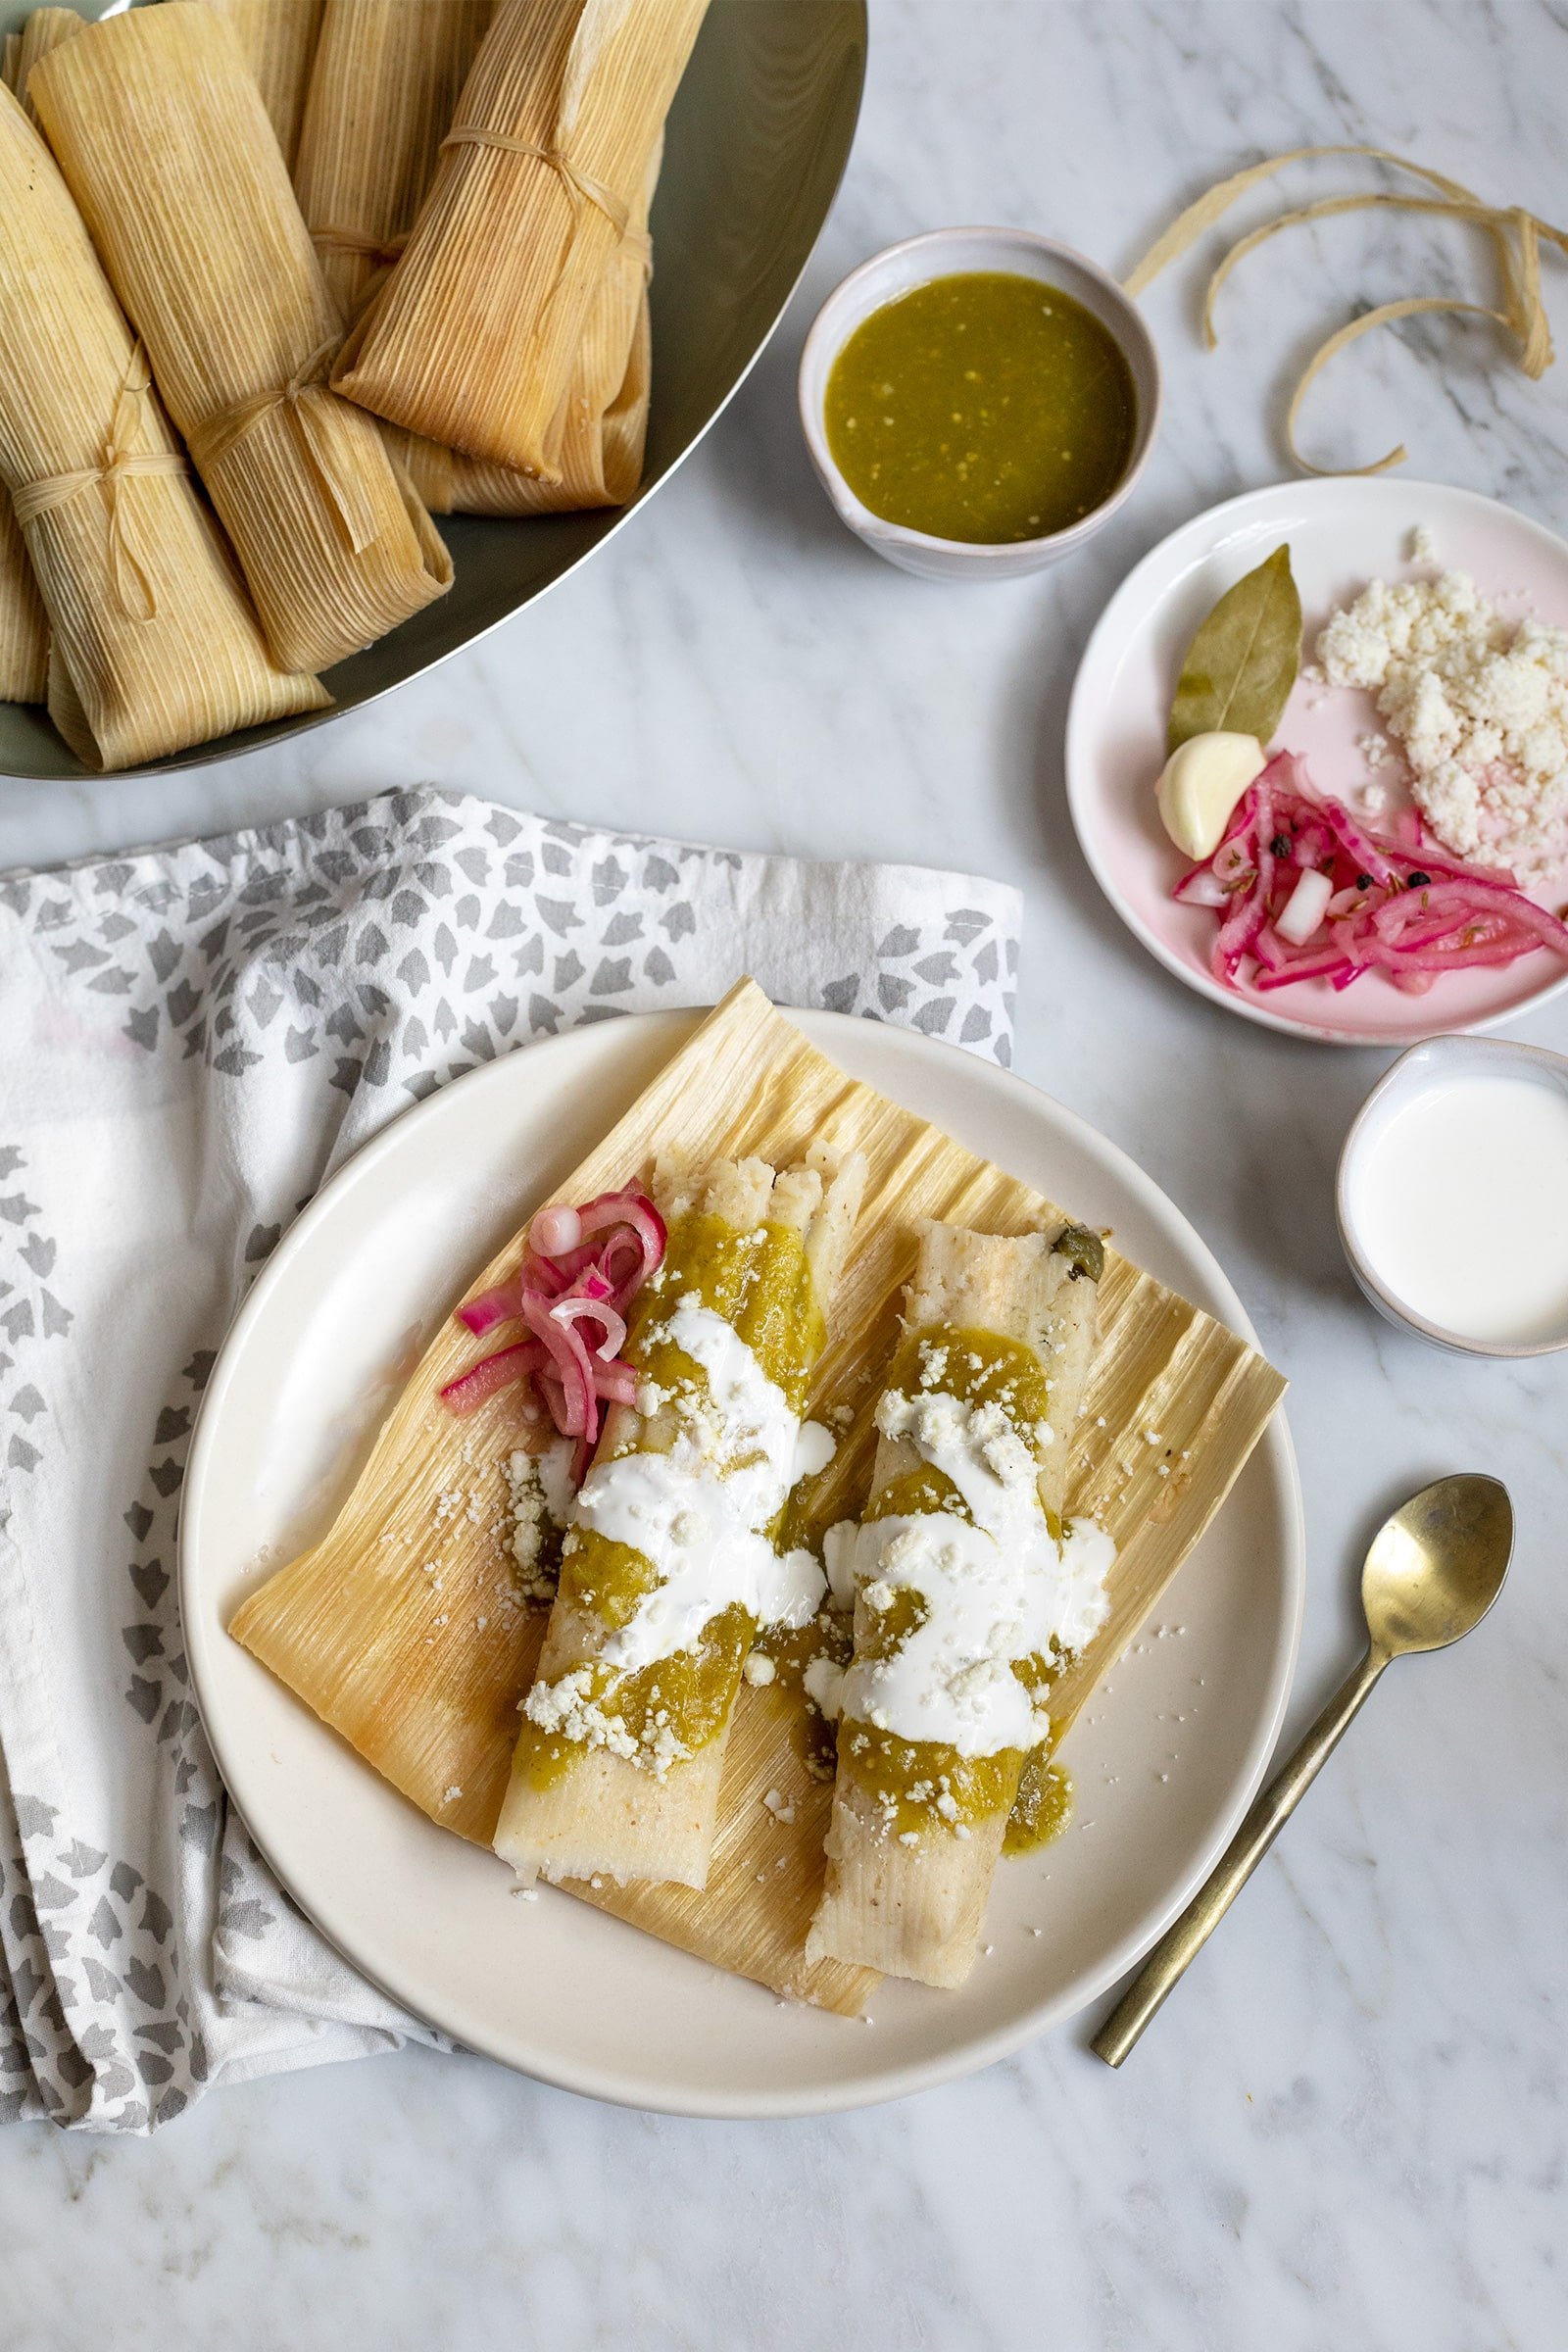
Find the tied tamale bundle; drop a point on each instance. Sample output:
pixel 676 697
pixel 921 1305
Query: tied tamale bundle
pixel 162 135
pixel 474 337
pixel 44 30
pixel 403 1626
pixel 277 40
pixel 154 645
pixel 968 1591
pixel 606 421
pixel 23 627
pixel 672 1560
pixel 387 76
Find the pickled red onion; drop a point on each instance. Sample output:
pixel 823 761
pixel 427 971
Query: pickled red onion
pixel 580 1271
pixel 1393 901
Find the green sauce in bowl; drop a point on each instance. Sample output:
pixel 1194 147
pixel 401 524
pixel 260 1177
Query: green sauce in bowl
pixel 984 407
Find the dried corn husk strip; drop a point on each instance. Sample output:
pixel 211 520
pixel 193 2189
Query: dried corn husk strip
pixel 277 40
pixel 155 645
pixel 403 1672
pixel 161 132
pixel 44 30
pixel 10 60
pixel 474 337
pixel 386 79
pixel 1515 237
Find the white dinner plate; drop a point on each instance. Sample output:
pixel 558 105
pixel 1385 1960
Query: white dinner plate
pixel 1165 1760
pixel 1341 534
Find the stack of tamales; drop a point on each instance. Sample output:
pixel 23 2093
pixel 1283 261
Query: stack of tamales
pixel 469 200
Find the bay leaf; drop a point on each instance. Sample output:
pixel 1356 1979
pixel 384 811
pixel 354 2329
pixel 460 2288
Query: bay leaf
pixel 1242 664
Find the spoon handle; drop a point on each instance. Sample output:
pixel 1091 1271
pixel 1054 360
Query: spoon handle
pixel 1186 1936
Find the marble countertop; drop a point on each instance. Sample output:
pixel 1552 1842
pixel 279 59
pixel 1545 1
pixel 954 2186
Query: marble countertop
pixel 1350 2125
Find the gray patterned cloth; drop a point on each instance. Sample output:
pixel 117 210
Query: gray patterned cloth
pixel 194 1040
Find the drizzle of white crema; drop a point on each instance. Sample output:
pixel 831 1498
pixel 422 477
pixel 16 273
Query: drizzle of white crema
pixel 996 1588
pixel 699 1512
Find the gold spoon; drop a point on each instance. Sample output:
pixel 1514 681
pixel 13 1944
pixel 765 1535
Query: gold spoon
pixel 1434 1570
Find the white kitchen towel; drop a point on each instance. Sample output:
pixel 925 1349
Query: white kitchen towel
pixel 191 1039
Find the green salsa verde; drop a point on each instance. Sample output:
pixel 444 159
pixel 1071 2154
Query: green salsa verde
pixel 982 407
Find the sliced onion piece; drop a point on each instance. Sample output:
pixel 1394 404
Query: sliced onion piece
pixel 1305 908
pixel 579 1310
pixel 482 1380
pixel 572 1366
pixel 555 1229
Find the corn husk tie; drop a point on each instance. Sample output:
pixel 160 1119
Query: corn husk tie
pixel 120 462
pixel 1515 234
pixel 212 440
pixel 383 251
pixel 581 187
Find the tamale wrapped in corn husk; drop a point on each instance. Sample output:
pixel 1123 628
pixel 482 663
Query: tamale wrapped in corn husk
pixel 278 40
pixel 620 1757
pixel 154 643
pixel 606 423
pixel 161 133
pixel 403 1672
pixel 24 626
pixel 386 79
pixel 474 339
pixel 955 1639
pixel 44 30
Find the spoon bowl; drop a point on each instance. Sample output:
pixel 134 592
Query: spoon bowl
pixel 1435 1567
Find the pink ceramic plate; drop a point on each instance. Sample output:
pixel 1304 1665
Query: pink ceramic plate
pixel 1341 535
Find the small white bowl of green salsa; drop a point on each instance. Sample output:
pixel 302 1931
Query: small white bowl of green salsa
pixel 978 402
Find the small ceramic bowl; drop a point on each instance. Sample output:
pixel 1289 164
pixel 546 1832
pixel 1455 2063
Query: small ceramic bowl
pixel 944 253
pixel 1437 1062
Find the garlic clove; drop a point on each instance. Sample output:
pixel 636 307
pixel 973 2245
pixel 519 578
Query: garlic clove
pixel 1202 781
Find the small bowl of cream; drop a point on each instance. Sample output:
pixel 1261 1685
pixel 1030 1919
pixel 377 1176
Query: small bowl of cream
pixel 1452 1196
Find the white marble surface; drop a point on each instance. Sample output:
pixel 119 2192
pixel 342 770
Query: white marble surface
pixel 1349 2127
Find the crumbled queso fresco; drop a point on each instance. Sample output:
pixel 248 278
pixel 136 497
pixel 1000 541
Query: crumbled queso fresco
pixel 1479 705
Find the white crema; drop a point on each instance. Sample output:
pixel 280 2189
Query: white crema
pixel 995 1588
pixel 699 1512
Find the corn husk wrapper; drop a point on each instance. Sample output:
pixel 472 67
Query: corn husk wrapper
pixel 474 338
pixel 277 40
pixel 405 1674
pixel 387 76
pixel 44 30
pixel 161 132
pixel 154 643
pixel 605 427
pixel 24 624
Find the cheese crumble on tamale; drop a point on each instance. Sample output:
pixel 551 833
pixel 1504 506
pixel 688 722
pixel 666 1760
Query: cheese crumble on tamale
pixel 671 1565
pixel 968 1591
